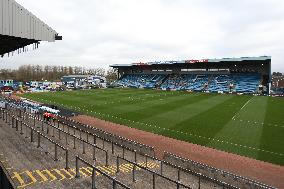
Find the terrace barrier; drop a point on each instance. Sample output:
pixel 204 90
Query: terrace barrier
pixel 24 128
pixel 140 148
pixel 180 169
pixel 60 132
pixel 154 174
pixel 217 174
pixel 115 182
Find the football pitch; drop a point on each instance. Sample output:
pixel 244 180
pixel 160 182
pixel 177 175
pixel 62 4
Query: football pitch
pixel 247 125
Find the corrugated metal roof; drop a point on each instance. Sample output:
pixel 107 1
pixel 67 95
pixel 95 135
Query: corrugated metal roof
pixel 17 21
pixel 20 28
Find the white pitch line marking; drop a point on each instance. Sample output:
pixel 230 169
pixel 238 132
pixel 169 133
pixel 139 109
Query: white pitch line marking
pixel 233 118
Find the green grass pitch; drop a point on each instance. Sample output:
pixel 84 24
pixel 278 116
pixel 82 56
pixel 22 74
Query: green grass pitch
pixel 251 126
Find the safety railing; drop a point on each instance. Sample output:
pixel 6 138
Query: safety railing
pixel 154 174
pixel 181 169
pixel 95 170
pixel 16 123
pixel 67 133
pixel 221 172
pixel 70 122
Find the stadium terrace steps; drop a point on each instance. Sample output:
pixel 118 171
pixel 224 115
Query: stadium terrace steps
pixel 242 82
pixel 141 80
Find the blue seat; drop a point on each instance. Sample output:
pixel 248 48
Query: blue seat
pixel 140 80
pixel 241 82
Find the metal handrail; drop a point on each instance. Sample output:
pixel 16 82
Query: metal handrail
pixel 78 138
pixel 179 168
pixel 102 131
pixel 178 183
pixel 115 181
pixel 219 170
pixel 42 135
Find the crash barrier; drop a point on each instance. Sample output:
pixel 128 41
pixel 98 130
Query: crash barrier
pixel 84 142
pixel 179 169
pixel 217 174
pixel 26 129
pixel 154 174
pixel 140 148
pixel 53 130
pixel 89 137
pixel 53 127
pixel 95 170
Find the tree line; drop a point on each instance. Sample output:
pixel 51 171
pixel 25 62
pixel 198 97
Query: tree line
pixel 52 73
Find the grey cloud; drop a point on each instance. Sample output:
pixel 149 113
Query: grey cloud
pixel 100 33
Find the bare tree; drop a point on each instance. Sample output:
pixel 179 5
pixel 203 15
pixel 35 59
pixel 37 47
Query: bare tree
pixel 111 75
pixel 51 73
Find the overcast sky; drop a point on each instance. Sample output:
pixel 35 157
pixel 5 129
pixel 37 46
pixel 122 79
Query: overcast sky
pixel 97 33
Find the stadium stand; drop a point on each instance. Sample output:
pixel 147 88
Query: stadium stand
pixel 241 82
pixel 220 83
pixel 237 75
pixel 141 80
